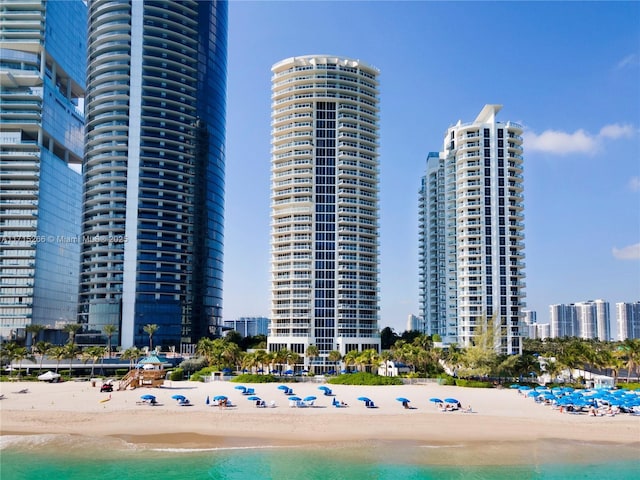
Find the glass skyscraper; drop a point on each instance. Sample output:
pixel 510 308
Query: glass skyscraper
pixel 324 208
pixel 42 84
pixel 154 169
pixel 472 234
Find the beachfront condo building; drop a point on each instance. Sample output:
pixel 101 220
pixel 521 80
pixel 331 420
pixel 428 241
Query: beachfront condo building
pixel 588 320
pixel 563 321
pixel 593 320
pixel 154 170
pixel 471 234
pixel 324 207
pixel 42 86
pixel 628 318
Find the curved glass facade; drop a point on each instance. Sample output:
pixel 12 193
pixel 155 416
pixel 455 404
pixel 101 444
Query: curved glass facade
pixel 324 209
pixel 154 169
pixel 42 83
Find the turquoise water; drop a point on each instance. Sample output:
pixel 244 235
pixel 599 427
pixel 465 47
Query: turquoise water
pixel 58 457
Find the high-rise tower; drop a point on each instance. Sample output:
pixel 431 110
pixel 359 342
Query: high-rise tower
pixel 43 52
pixel 324 208
pixel 472 234
pixel 154 169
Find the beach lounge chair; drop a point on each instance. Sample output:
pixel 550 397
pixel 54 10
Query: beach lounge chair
pixel 370 404
pixel 338 404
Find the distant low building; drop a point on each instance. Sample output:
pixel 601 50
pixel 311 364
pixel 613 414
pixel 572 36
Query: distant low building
pixel 249 326
pixel 393 369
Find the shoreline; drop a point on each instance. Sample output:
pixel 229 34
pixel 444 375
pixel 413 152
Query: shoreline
pixel 505 427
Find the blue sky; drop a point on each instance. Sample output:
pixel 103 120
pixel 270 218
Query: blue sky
pixel 568 71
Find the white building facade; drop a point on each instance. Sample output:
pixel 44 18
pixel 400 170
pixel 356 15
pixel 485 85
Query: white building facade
pixel 324 206
pixel 472 233
pixel 588 320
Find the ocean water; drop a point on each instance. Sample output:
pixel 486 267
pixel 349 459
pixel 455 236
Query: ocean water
pixel 58 457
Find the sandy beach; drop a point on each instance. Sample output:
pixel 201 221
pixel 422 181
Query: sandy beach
pixel 499 416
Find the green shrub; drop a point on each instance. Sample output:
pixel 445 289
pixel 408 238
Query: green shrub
pixel 121 372
pixel 254 378
pixel 364 378
pixel 460 382
pixel 446 380
pixel 176 375
pixel 629 386
pixel 200 374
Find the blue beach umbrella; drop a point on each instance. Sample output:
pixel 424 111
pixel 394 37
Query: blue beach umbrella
pixel 283 387
pixel 207 400
pixel 310 398
pixel 451 400
pixel 240 387
pixel 364 399
pixel 435 400
pixel 403 400
pixel 219 397
pixel 295 399
pixel 253 397
pixel 324 387
pixel 147 397
pixel 178 397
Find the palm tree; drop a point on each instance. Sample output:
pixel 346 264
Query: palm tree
pixel 249 361
pixel 132 354
pixel 33 330
pixel 94 354
pixel 9 353
pixel 368 358
pixel 150 329
pixel 206 348
pixel 71 329
pixel 109 330
pixel 262 358
pixel 385 358
pixel 20 354
pixel 553 368
pixel 41 348
pixel 231 353
pixel 631 348
pixel 58 352
pixel 351 358
pixel 70 352
pixel 311 353
pixel 292 358
pixel 335 356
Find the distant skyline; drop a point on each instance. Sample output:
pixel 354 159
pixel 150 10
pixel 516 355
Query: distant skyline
pixel 568 71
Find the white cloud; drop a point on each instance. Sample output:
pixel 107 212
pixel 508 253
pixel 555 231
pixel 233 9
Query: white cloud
pixel 563 143
pixel 634 184
pixel 631 252
pixel 616 131
pixel 629 60
pixel 580 141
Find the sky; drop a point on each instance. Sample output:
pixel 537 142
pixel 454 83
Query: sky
pixel 569 72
